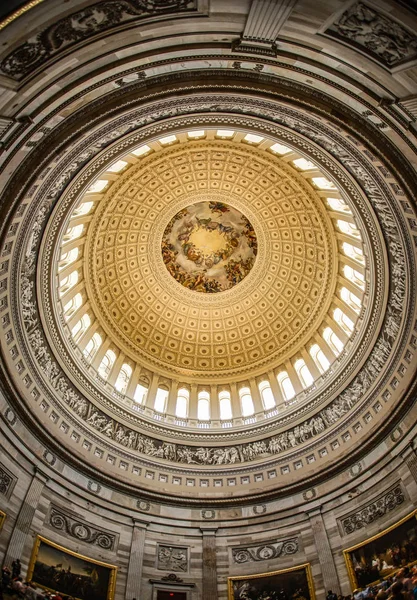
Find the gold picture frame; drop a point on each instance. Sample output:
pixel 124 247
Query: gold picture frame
pixel 82 578
pixel 367 562
pixel 2 519
pixel 291 580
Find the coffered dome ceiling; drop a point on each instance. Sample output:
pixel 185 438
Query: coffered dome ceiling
pixel 209 265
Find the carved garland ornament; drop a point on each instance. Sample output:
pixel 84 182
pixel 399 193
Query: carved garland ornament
pixel 80 530
pixel 245 452
pixel 266 551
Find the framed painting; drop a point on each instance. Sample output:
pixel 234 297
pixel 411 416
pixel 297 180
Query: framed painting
pixel 2 519
pixel 383 554
pixel 295 583
pixel 56 568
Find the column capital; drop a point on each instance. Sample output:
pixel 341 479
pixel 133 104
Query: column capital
pixel 41 475
pixel 140 523
pixel 209 530
pixel 314 512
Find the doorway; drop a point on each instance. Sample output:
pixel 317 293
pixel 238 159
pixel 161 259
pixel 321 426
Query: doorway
pixel 162 595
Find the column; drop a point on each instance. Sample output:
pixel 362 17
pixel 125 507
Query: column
pixel 24 520
pixel 209 563
pixel 410 459
pixel 324 552
pixel 137 550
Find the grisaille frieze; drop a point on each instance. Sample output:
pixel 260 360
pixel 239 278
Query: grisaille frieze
pixel 172 558
pixel 82 25
pixel 7 482
pixel 79 529
pixel 266 551
pixel 385 503
pixel 375 33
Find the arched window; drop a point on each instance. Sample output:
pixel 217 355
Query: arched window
pixel 338 205
pixel 98 186
pixel 319 358
pixel 353 252
pixel 161 399
pixel 354 276
pixel 181 408
pixel 81 327
pixel 348 229
pixel 267 396
pixel 343 321
pixel 225 405
pixel 286 386
pixel 73 305
pixel 68 282
pixel 92 346
pixel 246 402
pixel 83 209
pixel 203 406
pixel 333 341
pixel 351 299
pixel 140 393
pixel 123 378
pixel 73 233
pixel 303 373
pixel 106 364
pixel 67 258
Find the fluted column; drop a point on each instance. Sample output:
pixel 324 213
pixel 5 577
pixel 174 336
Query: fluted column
pixel 209 563
pixel 324 552
pixel 24 520
pixel 137 550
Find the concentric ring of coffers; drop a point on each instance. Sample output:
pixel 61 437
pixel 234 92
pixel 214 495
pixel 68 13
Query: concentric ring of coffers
pixel 275 390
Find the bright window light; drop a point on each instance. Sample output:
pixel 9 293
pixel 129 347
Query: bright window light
pixel 253 139
pixel 140 393
pixel 92 346
pixel 141 150
pixel 343 321
pixel 106 364
pixel 353 252
pixel 338 205
pixel 303 373
pixel 267 396
pixel 98 186
pixel 117 166
pixel 225 133
pixel 181 408
pixel 203 406
pixel 304 164
pixel 334 343
pixel 319 358
pixel 348 229
pixel 246 402
pixel 123 378
pixel 168 139
pixel 323 183
pixel 83 209
pixel 225 406
pixel 161 400
pixel 280 149
pixel 287 387
pixel 196 134
pixel 354 276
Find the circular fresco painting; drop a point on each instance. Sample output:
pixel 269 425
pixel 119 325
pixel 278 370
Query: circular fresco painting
pixel 209 247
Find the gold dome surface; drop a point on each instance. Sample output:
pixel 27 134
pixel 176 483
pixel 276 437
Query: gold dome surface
pixel 255 324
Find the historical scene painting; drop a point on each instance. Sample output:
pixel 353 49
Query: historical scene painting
pixel 209 247
pixel 56 568
pixel 289 584
pixel 381 555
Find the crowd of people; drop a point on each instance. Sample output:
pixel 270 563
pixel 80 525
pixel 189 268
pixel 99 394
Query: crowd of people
pixel 14 587
pixel 402 585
